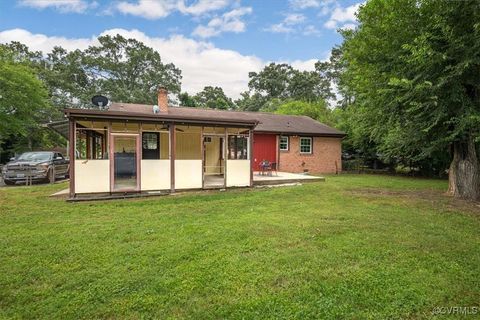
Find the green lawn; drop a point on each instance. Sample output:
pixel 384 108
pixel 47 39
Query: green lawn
pixel 351 247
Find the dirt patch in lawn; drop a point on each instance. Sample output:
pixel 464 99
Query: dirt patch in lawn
pixel 438 199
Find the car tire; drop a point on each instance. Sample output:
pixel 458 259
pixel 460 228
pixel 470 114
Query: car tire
pixel 9 182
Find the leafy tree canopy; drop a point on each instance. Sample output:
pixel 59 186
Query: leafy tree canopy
pixel 272 81
pixel 126 70
pixel 187 100
pixel 250 102
pixel 24 102
pixel 282 82
pixel 213 98
pixel 317 110
pixel 123 69
pixel 412 67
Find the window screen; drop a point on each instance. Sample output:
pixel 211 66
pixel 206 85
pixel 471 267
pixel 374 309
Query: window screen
pixel 305 145
pixel 150 145
pixel 237 147
pixel 284 143
pixel 91 144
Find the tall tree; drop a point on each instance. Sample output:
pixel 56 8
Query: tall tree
pixel 187 100
pixel 250 102
pixel 127 70
pixel 213 98
pixel 332 76
pixel 413 67
pixel 23 103
pixel 309 86
pixel 317 110
pixel 272 81
pixel 123 69
pixel 281 82
pixel 65 74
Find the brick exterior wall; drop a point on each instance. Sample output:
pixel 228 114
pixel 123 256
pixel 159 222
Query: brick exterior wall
pixel 325 157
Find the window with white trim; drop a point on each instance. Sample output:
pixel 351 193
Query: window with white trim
pixel 283 143
pixel 306 145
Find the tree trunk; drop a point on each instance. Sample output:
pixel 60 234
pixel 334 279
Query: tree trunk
pixel 464 173
pixel 29 143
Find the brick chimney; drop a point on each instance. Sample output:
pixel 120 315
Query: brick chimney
pixel 162 99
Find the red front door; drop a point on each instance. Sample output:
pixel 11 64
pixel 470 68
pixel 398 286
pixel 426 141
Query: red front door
pixel 264 148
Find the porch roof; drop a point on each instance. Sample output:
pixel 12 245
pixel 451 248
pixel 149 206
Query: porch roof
pixel 140 114
pixel 260 121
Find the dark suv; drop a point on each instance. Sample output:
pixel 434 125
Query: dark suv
pixel 37 166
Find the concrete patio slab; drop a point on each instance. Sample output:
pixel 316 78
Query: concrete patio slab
pixel 61 193
pixel 283 177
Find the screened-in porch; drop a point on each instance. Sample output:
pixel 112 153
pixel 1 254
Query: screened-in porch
pixel 129 156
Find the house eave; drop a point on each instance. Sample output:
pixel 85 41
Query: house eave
pixel 114 115
pixel 297 133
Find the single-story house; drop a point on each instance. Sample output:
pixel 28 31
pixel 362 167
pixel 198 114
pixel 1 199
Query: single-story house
pixel 136 147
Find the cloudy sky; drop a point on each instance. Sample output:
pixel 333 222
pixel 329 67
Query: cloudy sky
pixel 213 42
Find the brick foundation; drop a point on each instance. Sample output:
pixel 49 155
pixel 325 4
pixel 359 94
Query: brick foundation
pixel 325 157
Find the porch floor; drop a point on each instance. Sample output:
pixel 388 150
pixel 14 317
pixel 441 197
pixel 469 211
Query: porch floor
pixel 283 177
pixel 214 181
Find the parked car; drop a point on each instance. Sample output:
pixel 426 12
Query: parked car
pixel 39 166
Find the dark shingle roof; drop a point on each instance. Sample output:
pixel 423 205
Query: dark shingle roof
pixel 265 122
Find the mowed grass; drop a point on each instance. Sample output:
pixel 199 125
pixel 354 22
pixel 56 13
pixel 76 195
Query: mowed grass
pixel 355 246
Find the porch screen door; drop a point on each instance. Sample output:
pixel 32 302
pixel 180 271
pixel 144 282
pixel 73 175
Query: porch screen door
pixel 125 156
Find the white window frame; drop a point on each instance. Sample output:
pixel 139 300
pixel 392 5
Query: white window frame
pixel 280 143
pixel 311 145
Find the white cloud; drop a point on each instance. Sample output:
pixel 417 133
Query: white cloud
pixel 202 6
pixel 345 14
pixel 349 26
pixel 287 24
pixel 202 63
pixel 77 6
pixel 157 9
pixel 45 43
pixel 228 22
pixel 146 8
pixel 324 6
pixel 294 18
pixel 279 28
pixel 330 24
pixel 311 30
pixel 343 17
pixel 304 4
pixel 304 65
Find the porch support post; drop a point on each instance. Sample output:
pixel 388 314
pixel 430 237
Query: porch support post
pixel 202 148
pixel 71 155
pixel 225 157
pixel 172 157
pixel 111 156
pixel 277 151
pixel 250 154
